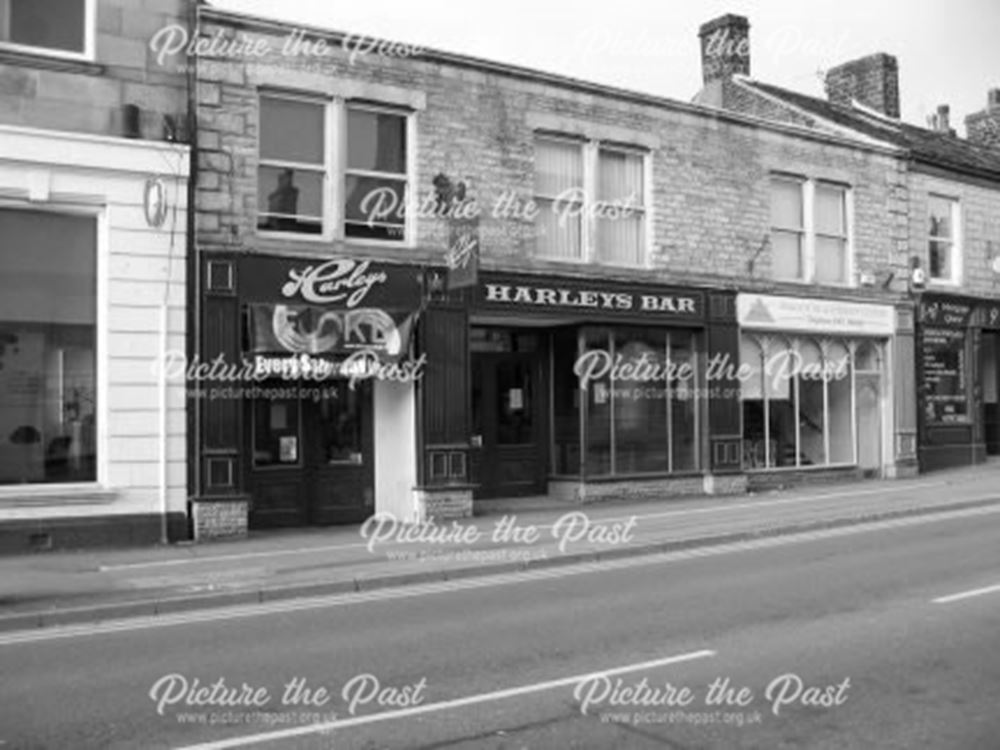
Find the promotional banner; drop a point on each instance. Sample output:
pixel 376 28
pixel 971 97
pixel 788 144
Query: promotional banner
pixel 309 329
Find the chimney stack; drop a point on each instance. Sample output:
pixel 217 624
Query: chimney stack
pixel 983 128
pixel 725 48
pixel 939 121
pixel 872 81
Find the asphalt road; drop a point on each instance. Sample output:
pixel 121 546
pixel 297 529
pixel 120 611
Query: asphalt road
pixel 833 641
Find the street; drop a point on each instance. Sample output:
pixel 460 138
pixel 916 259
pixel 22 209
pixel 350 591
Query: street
pixel 850 638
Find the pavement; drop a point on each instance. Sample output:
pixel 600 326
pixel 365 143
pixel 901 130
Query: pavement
pixel 61 588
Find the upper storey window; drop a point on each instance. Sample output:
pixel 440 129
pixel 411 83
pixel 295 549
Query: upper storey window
pixel 55 27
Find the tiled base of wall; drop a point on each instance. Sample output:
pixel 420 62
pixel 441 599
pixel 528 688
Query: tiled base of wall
pixel 442 505
pixel 136 530
pixel 778 480
pixel 632 489
pixel 220 519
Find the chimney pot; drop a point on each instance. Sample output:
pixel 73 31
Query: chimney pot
pixel 983 128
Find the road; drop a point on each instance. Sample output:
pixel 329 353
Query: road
pixel 877 636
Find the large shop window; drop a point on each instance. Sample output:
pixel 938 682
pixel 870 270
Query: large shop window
pixel 300 191
pixel 809 231
pixel 591 201
pixel 61 27
pixel 799 400
pixel 946 375
pixel 48 366
pixel 638 387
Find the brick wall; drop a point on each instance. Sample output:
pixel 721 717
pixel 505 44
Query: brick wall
pixel 710 201
pixel 980 211
pixel 43 92
pixel 223 519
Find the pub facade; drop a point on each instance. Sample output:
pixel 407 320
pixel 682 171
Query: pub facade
pixel 509 284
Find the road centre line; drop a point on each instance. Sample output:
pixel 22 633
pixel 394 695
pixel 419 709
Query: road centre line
pixel 966 595
pixel 610 519
pixel 461 584
pixel 537 687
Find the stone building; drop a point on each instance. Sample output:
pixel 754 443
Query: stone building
pixel 93 249
pixel 453 280
pixel 950 240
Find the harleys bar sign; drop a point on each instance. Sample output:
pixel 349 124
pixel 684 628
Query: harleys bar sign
pixel 585 296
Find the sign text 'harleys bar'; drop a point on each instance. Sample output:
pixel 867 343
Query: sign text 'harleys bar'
pixel 588 296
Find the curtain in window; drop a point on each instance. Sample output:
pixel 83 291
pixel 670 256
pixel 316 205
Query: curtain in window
pixel 831 239
pixel 619 183
pixel 558 174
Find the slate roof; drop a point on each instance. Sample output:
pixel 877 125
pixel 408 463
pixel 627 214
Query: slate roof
pixel 925 146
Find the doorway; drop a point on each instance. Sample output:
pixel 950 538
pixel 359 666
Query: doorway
pixel 311 455
pixel 868 387
pixel 508 417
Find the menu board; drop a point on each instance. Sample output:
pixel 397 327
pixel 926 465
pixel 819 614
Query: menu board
pixel 945 375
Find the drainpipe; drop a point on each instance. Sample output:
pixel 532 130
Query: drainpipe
pixel 193 270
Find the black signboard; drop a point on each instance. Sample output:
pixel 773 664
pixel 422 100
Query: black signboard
pixel 591 297
pixel 338 283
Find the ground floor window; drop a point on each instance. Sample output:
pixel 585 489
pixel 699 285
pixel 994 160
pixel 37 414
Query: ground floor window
pixel 48 365
pixel 624 401
pixel 800 399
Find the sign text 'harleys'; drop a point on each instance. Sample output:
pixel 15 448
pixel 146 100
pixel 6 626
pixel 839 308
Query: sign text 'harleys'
pixel 583 296
pixel 340 280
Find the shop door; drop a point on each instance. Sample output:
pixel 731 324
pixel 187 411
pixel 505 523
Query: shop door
pixel 869 418
pixel 507 413
pixel 311 455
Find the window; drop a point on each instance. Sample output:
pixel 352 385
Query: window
pixel 809 231
pixel 559 197
pixel 620 215
pixel 299 162
pixel 944 258
pixel 48 364
pixel 292 169
pixel 61 27
pixel 799 400
pixel 277 430
pixel 644 420
pixel 591 201
pixel 376 165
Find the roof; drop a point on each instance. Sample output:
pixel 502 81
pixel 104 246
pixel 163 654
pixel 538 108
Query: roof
pixel 925 146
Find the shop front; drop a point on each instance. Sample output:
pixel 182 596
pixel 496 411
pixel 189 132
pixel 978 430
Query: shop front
pixel 957 375
pixel 817 394
pixel 320 428
pixel 586 389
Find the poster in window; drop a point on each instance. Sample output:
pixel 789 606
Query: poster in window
pixel 288 449
pixel 945 375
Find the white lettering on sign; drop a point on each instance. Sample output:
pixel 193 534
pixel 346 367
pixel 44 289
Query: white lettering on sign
pixel 587 298
pixel 340 279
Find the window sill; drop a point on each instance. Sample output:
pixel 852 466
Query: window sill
pixel 52 495
pixel 50 62
pixel 944 283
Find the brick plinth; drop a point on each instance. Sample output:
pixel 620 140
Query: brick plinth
pixel 220 519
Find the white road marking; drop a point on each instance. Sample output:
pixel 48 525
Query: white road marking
pixel 470 700
pixel 607 519
pixel 966 594
pixel 462 584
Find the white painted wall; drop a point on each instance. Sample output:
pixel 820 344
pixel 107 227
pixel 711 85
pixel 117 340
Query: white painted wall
pixel 395 449
pixel 140 268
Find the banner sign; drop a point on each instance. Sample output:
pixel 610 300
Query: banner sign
pixel 309 329
pixel 593 296
pixel 766 312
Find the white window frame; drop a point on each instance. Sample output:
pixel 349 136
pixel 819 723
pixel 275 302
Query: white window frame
pixel 335 172
pixel 957 255
pixel 89 36
pixel 102 389
pixel 590 155
pixel 809 232
pixel 409 220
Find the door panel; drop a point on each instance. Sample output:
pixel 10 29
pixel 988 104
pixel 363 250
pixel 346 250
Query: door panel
pixel 869 420
pixel 509 417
